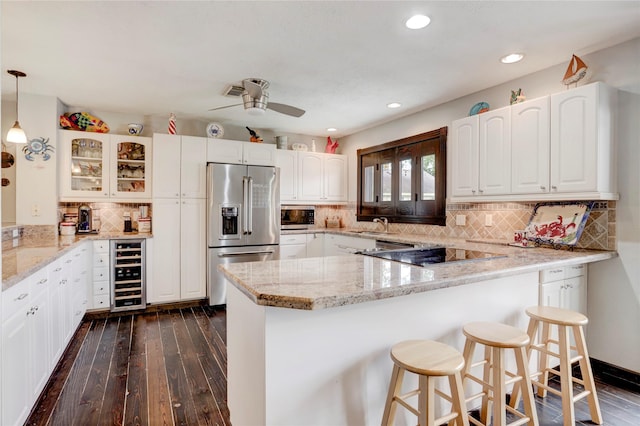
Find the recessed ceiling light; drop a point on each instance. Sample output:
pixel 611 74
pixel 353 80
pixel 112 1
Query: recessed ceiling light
pixel 394 105
pixel 417 21
pixel 512 58
pixel 331 129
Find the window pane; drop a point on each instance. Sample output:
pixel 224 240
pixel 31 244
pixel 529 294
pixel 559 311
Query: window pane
pixel 428 177
pixel 405 180
pixel 368 184
pixel 386 181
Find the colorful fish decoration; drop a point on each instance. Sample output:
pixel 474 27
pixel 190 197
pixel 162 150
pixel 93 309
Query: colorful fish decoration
pixel 83 121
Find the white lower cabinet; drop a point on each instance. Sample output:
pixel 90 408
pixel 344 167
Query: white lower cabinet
pixel 178 261
pixel 315 245
pixel 99 290
pixel 293 246
pixel 565 288
pixel 38 319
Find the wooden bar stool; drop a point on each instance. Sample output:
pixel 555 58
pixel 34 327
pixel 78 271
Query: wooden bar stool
pixel 429 360
pixel 496 338
pixel 565 321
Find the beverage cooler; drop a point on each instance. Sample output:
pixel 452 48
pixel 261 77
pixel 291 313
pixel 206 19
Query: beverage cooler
pixel 127 277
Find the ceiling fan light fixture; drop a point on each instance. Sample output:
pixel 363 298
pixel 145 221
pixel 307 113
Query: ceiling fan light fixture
pixel 16 134
pixel 254 111
pixel 512 58
pixel 417 22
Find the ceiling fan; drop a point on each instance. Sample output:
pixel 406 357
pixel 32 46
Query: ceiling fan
pixel 255 98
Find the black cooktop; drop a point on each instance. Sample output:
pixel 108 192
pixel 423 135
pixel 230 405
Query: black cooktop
pixel 428 256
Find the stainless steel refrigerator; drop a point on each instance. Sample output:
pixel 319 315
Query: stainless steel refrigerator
pixel 243 219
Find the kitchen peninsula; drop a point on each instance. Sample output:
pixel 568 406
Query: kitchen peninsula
pixel 308 339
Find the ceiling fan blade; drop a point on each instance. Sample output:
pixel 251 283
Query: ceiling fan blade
pixel 253 89
pixel 223 107
pixel 286 109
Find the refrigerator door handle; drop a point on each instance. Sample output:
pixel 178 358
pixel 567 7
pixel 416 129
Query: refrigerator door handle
pixel 246 207
pixel 249 207
pixel 244 253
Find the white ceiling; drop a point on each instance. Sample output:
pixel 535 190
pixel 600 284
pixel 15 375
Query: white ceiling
pixel 341 61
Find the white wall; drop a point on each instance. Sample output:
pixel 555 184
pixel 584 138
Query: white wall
pixel 36 184
pixel 9 192
pixel 614 286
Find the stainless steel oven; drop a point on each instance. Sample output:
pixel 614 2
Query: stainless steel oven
pixel 297 217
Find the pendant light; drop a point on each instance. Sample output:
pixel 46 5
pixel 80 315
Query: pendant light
pixel 16 134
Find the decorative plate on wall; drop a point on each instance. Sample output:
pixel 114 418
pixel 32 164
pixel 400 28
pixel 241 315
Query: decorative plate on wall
pixel 558 224
pixel 215 130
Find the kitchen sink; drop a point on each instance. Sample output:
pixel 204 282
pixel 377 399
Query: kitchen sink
pixel 374 232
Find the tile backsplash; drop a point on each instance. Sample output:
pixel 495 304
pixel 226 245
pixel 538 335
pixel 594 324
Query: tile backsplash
pixel 110 214
pixel 599 232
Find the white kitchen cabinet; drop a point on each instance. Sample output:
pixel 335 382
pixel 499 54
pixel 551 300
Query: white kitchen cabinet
pixel 582 141
pixel 97 166
pixel 340 245
pixel 315 245
pixel 59 299
pixel 164 285
pixel 312 177
pixel 238 152
pixel 178 258
pixel 293 246
pixel 530 146
pixel 100 288
pixel 480 154
pixel 564 287
pixel 193 249
pixel 463 155
pixel 182 164
pixel 494 148
pixel 287 161
pixel 80 285
pixel 561 147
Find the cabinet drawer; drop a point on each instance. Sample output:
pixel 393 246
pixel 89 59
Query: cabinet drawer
pixel 101 301
pixel 100 287
pixel 101 246
pixel 574 271
pixel 293 239
pixel 101 259
pixel 549 275
pixel 101 273
pixel 15 299
pixel 39 282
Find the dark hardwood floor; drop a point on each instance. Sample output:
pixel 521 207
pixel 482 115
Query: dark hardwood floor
pixel 169 368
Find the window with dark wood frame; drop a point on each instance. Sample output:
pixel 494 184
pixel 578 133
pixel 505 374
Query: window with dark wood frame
pixel 404 180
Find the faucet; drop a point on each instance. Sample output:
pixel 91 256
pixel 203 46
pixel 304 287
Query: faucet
pixel 384 221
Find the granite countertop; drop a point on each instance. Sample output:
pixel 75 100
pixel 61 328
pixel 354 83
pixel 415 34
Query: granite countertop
pixel 31 254
pixel 325 282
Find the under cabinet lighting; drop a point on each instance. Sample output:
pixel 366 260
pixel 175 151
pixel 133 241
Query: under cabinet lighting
pixel 331 129
pixel 394 105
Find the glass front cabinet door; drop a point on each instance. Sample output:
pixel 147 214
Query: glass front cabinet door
pixel 96 166
pixel 84 169
pixel 130 167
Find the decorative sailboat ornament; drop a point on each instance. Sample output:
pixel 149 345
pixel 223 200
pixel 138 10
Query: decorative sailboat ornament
pixel 575 72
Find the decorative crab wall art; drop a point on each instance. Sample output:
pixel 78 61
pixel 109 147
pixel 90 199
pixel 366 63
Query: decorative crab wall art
pixel 37 146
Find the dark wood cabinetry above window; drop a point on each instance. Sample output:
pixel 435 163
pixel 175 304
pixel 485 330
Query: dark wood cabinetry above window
pixel 404 180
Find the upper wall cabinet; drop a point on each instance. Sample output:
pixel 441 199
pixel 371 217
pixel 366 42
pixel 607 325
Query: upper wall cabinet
pixel 556 147
pixel 97 166
pixel 238 152
pixel 181 166
pixel 312 177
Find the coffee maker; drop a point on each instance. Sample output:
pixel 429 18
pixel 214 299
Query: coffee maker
pixel 85 219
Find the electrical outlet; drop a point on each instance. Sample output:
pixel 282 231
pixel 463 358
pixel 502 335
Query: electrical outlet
pixel 488 220
pixel 35 210
pixel 15 233
pixel 461 220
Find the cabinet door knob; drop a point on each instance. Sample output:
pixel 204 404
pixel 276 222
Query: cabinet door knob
pixel 554 187
pixel 543 187
pixel 481 191
pixel 473 191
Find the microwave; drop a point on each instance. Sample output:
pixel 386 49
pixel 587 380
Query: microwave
pixel 297 217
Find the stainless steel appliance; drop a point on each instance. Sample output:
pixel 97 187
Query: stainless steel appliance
pixel 243 211
pixel 297 217
pixel 127 276
pixel 428 256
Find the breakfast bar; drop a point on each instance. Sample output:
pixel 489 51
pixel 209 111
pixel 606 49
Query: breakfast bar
pixel 308 339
